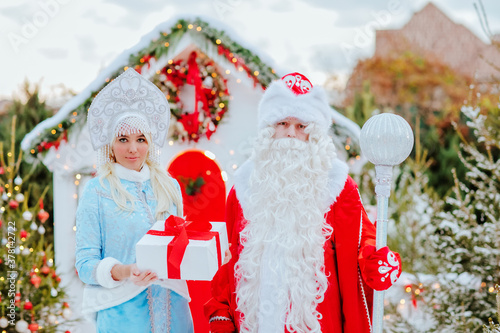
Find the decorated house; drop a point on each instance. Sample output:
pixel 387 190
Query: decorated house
pixel 213 84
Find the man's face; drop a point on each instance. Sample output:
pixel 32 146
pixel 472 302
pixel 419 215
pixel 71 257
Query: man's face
pixel 291 128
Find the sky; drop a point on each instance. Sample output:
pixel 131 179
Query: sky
pixel 66 43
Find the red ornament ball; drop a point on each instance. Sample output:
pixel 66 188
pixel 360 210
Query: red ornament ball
pixel 43 215
pixel 45 270
pixel 28 305
pixel 23 233
pixel 13 204
pixel 36 281
pixel 33 327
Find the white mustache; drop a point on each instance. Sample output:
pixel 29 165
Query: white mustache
pixel 288 143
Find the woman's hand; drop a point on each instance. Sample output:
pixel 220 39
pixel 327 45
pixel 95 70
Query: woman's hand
pixel 122 272
pixel 143 278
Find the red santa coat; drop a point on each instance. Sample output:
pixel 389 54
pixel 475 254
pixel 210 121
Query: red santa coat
pixel 347 306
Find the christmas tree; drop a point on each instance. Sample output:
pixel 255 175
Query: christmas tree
pixel 451 245
pixel 457 242
pixel 466 238
pixel 413 206
pixel 492 327
pixel 30 109
pixel 31 298
pixel 363 105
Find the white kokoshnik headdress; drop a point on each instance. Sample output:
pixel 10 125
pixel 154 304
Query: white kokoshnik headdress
pixel 129 104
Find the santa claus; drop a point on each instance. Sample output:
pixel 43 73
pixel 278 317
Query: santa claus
pixel 302 256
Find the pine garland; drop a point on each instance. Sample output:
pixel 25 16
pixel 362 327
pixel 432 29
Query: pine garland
pixel 242 58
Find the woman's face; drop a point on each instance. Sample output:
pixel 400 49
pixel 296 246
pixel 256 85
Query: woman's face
pixel 131 150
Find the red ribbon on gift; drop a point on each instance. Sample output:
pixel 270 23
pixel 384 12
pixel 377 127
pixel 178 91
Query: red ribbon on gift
pixel 184 231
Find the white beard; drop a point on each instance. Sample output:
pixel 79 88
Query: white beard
pixel 280 271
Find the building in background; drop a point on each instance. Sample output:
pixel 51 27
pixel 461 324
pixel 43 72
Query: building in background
pixel 434 37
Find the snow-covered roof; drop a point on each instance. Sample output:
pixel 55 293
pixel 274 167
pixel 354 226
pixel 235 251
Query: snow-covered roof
pixel 166 41
pixel 211 30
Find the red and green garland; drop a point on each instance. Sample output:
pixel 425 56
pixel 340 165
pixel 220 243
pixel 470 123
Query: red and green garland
pixel 211 96
pixel 43 146
pixel 242 58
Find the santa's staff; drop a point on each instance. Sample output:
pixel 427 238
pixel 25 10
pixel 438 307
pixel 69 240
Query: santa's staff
pixel 386 140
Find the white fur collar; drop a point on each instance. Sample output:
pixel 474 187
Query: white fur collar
pixel 132 175
pixel 336 181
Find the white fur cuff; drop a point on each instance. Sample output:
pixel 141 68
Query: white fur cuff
pixel 103 273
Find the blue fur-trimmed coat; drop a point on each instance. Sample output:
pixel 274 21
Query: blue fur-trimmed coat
pixel 106 236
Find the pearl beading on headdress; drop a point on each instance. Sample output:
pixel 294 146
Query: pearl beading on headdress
pixel 129 104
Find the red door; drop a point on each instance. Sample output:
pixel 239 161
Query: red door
pixel 204 198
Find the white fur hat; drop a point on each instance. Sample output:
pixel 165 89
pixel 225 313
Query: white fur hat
pixel 294 96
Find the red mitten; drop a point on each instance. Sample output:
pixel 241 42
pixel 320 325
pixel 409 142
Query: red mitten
pixel 222 326
pixel 380 268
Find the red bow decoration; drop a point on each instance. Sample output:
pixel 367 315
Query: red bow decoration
pixel 184 231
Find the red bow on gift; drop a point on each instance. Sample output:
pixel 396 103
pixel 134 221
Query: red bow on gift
pixel 184 231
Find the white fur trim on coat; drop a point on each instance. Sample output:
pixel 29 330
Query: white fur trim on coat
pixel 337 177
pixel 96 298
pixel 132 175
pixel 279 102
pixel 103 273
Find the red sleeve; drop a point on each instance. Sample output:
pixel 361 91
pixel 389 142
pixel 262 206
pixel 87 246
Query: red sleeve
pixel 353 231
pixel 347 209
pixel 220 308
pixel 232 211
pixel 368 232
pixel 369 259
pixel 368 238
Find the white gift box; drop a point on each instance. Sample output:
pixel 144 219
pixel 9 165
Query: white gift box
pixel 200 260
